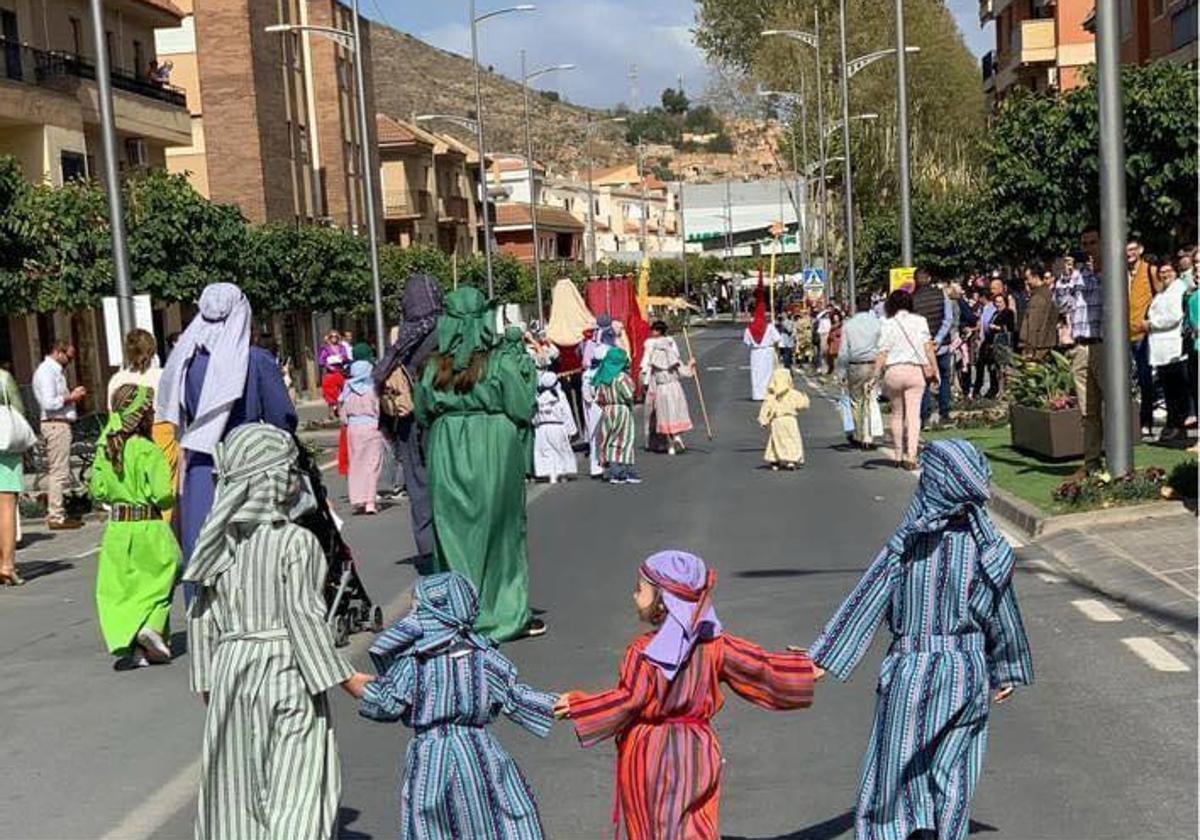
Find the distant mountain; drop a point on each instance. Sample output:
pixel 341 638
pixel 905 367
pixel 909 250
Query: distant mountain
pixel 412 77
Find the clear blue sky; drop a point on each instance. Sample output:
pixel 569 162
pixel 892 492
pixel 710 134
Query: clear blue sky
pixel 603 37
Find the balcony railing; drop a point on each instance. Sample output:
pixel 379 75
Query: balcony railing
pixel 411 203
pixel 987 66
pixel 1038 41
pixel 59 71
pixel 452 207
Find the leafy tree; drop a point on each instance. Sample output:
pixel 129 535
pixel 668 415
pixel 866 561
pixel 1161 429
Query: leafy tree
pixel 675 101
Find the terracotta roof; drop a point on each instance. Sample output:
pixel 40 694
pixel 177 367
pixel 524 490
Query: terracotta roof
pixel 510 164
pixel 517 215
pixel 394 132
pixel 607 173
pixel 164 6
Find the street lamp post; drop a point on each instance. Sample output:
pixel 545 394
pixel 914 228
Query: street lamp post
pixel 591 214
pixel 352 41
pixel 487 222
pixel 906 254
pixel 526 77
pixel 108 136
pixel 847 174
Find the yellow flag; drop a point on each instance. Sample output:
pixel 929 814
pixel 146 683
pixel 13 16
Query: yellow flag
pixel 643 290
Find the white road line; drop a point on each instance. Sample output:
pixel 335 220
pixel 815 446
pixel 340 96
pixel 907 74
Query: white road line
pixel 743 367
pixel 1155 655
pixel 327 465
pixel 715 368
pixel 1095 610
pixel 1048 578
pixel 1013 539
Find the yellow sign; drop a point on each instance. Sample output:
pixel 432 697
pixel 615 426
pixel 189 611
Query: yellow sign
pixel 901 278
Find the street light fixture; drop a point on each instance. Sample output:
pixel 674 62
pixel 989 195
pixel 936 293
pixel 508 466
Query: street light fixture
pixel 863 61
pixel 487 226
pixel 800 200
pixel 591 216
pixel 837 124
pixel 526 78
pixel 352 41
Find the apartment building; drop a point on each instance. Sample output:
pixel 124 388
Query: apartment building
pixel 622 198
pixel 49 103
pixel 426 187
pixel 274 115
pixel 1045 44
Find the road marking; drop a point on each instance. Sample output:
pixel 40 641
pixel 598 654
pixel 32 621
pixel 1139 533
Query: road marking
pixel 1048 578
pixel 715 367
pixel 1095 610
pixel 743 367
pixel 1013 539
pixel 1155 655
pixel 327 465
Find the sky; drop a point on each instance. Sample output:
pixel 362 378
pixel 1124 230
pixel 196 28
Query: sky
pixel 602 37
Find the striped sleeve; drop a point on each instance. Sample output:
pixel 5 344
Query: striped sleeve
pixel 1010 661
pixel 385 699
pixel 848 634
pixel 202 639
pixel 528 708
pixel 321 666
pixel 608 713
pixel 776 681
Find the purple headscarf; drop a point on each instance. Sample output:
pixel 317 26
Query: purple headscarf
pixel 686 585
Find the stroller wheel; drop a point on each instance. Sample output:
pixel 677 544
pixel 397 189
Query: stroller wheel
pixel 341 632
pixel 354 619
pixel 377 619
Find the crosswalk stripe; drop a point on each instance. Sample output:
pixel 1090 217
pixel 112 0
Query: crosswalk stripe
pixel 715 367
pixel 1155 655
pixel 1048 578
pixel 1095 610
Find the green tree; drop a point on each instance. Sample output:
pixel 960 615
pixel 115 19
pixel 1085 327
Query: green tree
pixel 675 101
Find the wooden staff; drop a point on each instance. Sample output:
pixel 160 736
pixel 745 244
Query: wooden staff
pixel 699 390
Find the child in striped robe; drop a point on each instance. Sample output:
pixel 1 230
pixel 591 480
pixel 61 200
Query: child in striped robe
pixel 447 684
pixel 660 713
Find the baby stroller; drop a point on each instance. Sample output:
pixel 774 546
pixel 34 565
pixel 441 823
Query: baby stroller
pixel 351 609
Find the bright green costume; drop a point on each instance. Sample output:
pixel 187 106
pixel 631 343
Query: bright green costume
pixel 476 465
pixel 138 559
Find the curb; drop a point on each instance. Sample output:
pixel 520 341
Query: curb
pixel 1035 522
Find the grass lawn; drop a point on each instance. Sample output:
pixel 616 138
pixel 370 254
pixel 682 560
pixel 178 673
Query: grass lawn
pixel 1035 480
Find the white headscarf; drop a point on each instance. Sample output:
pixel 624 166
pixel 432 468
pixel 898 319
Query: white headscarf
pixel 223 329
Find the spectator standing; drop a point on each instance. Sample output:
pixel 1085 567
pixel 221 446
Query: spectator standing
pixel 1191 330
pixel 1164 336
pixel 855 363
pixel 998 343
pixel 1039 328
pixel 58 403
pixel 905 360
pixel 932 304
pixel 12 478
pixel 787 339
pixel 1081 298
pixel 1140 277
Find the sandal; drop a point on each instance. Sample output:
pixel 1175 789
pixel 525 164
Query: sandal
pixel 12 578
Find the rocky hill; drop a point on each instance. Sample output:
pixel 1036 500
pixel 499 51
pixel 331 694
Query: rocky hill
pixel 412 77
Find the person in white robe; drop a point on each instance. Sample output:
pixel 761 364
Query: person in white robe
pixel 763 357
pixel 553 428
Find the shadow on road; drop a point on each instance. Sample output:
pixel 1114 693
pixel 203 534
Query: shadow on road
pixel 35 569
pixel 843 824
pixel 346 819
pixel 755 574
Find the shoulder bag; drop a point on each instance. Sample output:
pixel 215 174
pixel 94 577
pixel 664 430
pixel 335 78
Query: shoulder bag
pixel 16 435
pixel 930 370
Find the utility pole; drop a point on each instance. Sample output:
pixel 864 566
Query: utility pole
pixel 108 136
pixel 642 245
pixel 802 217
pixel 368 180
pixel 821 147
pixel 683 238
pixel 848 177
pixel 537 250
pixel 906 246
pixel 1118 440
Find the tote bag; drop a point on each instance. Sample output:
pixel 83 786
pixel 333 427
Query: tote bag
pixel 16 435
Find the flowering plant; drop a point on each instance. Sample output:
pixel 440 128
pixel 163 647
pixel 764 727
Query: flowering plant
pixel 1103 490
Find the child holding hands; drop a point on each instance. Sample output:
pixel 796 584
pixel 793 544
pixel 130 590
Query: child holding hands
pixel 668 758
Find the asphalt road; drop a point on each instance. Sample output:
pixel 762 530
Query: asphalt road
pixel 1103 746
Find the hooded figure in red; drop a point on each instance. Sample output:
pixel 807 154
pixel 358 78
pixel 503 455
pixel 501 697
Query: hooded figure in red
pixel 761 337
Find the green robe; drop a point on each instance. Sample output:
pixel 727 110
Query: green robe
pixel 476 463
pixel 514 350
pixel 138 560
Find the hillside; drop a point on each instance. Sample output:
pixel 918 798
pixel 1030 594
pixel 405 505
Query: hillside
pixel 412 77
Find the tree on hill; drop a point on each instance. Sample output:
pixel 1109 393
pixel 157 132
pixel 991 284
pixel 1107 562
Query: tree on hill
pixel 675 101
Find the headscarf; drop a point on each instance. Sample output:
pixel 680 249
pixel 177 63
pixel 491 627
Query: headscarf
pixel 954 482
pixel 468 325
pixel 569 315
pixel 758 324
pixel 422 304
pixel 254 468
pixel 547 381
pixel 780 382
pixel 131 404
pixel 444 609
pixel 360 379
pixel 686 585
pixel 614 361
pixel 223 329
pixel 605 333
pixel 362 352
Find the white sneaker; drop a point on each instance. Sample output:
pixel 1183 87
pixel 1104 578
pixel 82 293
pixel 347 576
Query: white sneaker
pixel 156 649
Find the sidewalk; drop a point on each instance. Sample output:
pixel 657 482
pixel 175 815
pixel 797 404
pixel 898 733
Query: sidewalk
pixel 1151 565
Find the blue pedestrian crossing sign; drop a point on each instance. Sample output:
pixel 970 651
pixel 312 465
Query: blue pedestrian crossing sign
pixel 813 280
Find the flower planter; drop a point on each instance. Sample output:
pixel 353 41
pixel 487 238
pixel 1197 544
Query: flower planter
pixel 1050 434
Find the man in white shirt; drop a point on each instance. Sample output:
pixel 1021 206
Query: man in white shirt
pixel 856 368
pixel 57 401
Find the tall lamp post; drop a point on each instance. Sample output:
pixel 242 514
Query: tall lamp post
pixel 591 214
pixel 526 78
pixel 906 254
pixel 108 135
pixel 487 222
pixel 352 41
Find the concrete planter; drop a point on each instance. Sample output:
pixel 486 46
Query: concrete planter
pixel 1055 435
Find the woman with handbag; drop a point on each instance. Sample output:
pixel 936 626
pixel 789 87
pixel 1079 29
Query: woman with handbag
pixel 15 437
pixel 905 361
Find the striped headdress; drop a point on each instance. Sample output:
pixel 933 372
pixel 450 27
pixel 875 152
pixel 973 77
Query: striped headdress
pixel 444 610
pixel 954 482
pixel 255 468
pixel 131 405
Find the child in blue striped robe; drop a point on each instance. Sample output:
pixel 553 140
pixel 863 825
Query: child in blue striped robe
pixel 447 683
pixel 944 582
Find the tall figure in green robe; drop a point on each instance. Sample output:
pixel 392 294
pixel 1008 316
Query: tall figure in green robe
pixel 138 553
pixel 475 402
pixel 512 347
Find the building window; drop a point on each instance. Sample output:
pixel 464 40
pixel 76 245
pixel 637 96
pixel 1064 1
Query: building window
pixel 74 166
pixel 1160 8
pixel 108 51
pixel 76 36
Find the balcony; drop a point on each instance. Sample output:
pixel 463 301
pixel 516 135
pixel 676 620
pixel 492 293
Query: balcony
pixel 985 11
pixel 987 66
pixel 413 204
pixel 452 209
pixel 63 72
pixel 1038 43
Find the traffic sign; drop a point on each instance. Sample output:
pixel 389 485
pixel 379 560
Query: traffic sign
pixel 901 278
pixel 813 279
